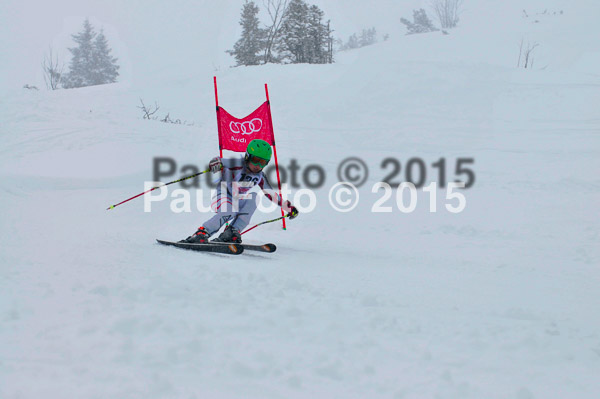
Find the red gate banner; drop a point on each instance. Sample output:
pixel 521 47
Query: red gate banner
pixel 235 133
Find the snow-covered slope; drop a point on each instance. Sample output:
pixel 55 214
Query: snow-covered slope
pixel 498 301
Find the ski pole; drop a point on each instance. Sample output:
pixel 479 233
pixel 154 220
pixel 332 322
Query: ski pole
pixel 154 188
pixel 265 222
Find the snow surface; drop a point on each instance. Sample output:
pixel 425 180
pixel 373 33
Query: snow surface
pixel 499 301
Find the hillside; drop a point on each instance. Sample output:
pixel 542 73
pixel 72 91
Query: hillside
pixel 497 301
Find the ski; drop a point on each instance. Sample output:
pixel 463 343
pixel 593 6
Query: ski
pixel 252 247
pixel 225 248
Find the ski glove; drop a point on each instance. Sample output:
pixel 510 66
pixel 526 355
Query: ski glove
pixel 290 209
pixel 215 165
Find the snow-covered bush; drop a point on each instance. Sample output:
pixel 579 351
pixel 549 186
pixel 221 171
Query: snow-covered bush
pixel 366 38
pixel 421 23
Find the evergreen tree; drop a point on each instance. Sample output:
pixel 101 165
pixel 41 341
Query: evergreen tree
pixel 104 68
pixel 247 50
pixel 82 57
pixel 368 37
pixel 297 35
pixel 317 37
pixel 304 37
pixel 91 61
pixel 352 42
pixel 294 32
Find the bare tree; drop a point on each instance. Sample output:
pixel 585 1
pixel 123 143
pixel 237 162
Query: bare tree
pixel 53 70
pixel 148 112
pixel 447 12
pixel 276 10
pixel 520 52
pixel 526 54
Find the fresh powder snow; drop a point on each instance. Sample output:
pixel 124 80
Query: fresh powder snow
pixel 500 300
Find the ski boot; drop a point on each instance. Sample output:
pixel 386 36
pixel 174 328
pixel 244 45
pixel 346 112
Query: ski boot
pixel 199 237
pixel 230 234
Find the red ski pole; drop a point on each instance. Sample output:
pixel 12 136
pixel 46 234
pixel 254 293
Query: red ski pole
pixel 265 222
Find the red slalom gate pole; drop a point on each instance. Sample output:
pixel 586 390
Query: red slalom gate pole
pixel 275 154
pixel 218 118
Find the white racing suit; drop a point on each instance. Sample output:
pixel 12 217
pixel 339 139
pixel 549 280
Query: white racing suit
pixel 233 202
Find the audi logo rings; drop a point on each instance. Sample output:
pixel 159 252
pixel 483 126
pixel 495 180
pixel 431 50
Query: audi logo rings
pixel 247 127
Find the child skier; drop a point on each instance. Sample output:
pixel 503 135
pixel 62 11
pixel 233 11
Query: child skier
pixel 238 177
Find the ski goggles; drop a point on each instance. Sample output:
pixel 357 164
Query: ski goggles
pixel 253 159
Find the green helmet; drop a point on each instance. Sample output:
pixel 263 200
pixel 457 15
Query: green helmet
pixel 260 149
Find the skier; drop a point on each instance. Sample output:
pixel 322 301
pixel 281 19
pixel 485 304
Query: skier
pixel 238 176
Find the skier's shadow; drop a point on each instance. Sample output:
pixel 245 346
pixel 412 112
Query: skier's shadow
pixel 256 255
